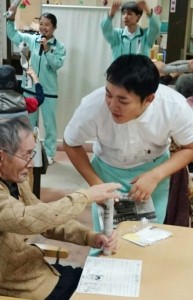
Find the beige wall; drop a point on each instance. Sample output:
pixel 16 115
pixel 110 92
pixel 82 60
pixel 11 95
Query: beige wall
pixel 152 3
pixel 25 16
pixel 78 2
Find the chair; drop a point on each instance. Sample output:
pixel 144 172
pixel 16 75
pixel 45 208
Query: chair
pixel 52 251
pixel 10 298
pixel 49 251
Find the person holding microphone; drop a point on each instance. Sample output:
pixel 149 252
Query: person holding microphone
pixel 47 56
pixel 132 39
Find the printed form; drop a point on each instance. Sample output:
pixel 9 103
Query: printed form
pixel 111 276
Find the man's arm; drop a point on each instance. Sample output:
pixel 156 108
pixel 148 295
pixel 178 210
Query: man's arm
pixel 154 22
pixel 77 233
pixel 108 31
pixel 80 160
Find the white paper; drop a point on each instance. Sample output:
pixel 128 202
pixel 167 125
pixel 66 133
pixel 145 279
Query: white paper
pixel 111 276
pixel 147 236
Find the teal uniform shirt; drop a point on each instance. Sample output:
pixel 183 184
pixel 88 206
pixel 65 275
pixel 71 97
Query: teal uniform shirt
pixel 46 65
pixel 139 43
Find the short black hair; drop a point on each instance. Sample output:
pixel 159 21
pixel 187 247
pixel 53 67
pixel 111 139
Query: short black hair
pixel 134 72
pixel 51 17
pixel 132 5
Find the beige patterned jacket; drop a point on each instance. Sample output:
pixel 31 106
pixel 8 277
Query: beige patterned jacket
pixel 23 271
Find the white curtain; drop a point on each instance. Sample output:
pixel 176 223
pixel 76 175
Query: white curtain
pixel 88 56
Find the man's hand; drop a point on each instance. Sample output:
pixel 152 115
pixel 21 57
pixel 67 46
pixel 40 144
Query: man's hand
pixel 13 11
pixel 143 5
pixel 104 191
pixel 143 186
pixel 44 43
pixel 109 243
pixel 114 8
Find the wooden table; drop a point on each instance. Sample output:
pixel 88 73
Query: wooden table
pixel 167 266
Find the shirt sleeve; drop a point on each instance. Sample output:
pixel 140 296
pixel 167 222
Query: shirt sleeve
pixel 73 232
pixel 182 131
pixel 39 93
pixel 153 29
pixel 109 32
pixel 56 59
pixel 38 217
pixel 179 68
pixel 81 127
pixel 16 36
pixel 32 103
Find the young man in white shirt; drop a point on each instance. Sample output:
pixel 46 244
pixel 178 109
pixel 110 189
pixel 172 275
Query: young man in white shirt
pixel 132 120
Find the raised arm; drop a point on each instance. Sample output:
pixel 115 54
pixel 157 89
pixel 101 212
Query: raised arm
pixel 108 31
pixel 154 22
pixel 13 34
pixel 114 8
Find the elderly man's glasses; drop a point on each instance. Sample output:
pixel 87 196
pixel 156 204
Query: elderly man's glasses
pixel 27 158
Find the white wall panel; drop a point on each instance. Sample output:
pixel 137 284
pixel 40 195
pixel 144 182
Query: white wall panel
pixel 88 56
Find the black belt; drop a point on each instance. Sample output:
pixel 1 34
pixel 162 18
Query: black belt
pixel 33 93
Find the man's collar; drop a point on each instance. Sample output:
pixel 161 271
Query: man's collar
pixel 137 32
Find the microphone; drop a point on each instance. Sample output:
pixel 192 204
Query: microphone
pixel 41 46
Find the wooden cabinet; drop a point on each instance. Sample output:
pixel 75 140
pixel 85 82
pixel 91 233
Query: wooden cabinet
pixel 177 31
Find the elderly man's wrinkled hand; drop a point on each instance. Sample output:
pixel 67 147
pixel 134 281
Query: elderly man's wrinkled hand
pixel 109 243
pixel 101 192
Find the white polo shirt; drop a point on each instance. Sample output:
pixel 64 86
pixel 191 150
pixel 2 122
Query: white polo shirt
pixel 135 142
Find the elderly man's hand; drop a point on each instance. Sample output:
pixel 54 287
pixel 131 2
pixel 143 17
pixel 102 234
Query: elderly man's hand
pixel 109 243
pixel 101 192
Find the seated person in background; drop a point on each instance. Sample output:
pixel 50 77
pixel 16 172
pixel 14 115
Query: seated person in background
pixel 132 119
pixel 132 38
pixel 166 79
pixel 179 66
pixel 24 272
pixel 10 100
pixel 184 85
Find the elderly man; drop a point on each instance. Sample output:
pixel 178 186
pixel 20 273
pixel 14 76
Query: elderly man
pixel 24 272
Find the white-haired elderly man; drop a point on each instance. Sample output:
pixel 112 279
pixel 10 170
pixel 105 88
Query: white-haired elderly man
pixel 24 272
